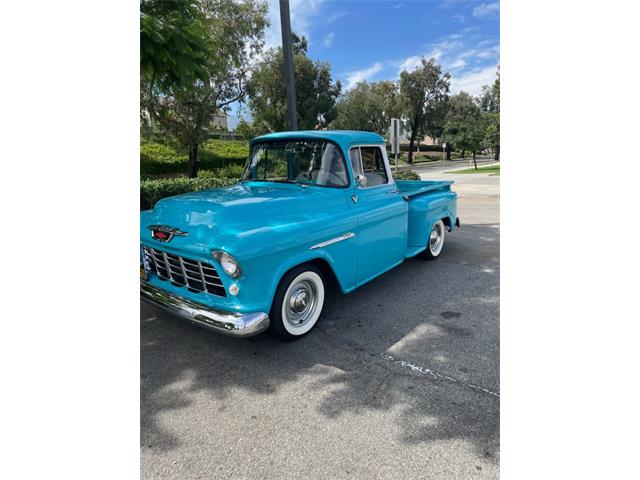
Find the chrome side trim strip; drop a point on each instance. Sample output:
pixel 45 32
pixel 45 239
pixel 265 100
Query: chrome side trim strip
pixel 342 237
pixel 228 323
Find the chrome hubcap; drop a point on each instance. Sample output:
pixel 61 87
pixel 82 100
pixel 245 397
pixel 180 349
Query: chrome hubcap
pixel 301 303
pixel 298 300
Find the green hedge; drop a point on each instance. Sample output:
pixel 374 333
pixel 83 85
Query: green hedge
pixel 156 158
pixel 230 171
pixel 153 190
pixel 406 175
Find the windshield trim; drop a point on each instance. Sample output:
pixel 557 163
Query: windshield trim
pixel 304 139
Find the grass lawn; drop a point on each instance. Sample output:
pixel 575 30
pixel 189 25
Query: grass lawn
pixel 493 170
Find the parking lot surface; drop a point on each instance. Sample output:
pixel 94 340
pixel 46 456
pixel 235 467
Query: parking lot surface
pixel 399 379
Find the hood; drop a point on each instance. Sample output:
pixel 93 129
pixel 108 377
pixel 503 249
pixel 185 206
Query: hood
pixel 220 217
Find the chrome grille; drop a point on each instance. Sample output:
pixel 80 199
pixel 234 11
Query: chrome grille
pixel 195 275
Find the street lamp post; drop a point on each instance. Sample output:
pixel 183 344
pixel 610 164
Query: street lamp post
pixel 287 52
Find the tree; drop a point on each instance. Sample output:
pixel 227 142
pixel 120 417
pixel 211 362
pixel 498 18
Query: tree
pixel 423 92
pixel 250 130
pixel 173 47
pixel 489 102
pixel 436 118
pixel 369 107
pixel 465 125
pixel 316 93
pixel 233 31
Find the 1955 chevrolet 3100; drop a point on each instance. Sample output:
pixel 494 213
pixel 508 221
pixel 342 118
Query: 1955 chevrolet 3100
pixel 311 206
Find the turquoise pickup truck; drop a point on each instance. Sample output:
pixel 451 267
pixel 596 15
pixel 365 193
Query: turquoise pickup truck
pixel 311 207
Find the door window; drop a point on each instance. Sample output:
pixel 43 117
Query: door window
pixel 373 166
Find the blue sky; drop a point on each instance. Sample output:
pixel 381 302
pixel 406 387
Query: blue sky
pixel 375 39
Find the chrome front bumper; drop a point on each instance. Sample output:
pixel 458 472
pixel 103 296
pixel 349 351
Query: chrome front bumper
pixel 228 323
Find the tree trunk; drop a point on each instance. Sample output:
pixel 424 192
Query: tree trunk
pixel 463 150
pixel 411 141
pixel 448 151
pixel 475 164
pixel 496 152
pixel 193 160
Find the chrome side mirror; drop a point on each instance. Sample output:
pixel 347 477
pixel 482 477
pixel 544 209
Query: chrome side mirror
pixel 361 181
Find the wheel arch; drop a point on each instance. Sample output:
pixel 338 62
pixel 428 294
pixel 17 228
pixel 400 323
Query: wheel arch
pixel 321 262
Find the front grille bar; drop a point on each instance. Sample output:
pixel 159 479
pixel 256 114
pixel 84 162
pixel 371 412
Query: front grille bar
pixel 195 275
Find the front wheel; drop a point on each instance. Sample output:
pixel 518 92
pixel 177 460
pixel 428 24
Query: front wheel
pixel 298 302
pixel 435 243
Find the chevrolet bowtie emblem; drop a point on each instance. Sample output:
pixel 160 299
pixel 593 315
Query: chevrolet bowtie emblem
pixel 163 233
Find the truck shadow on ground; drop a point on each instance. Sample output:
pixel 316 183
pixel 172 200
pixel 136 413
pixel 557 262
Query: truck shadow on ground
pixel 374 350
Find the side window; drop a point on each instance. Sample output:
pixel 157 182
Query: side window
pixel 373 165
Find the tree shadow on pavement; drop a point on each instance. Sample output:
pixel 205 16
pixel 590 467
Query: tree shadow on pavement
pixel 407 345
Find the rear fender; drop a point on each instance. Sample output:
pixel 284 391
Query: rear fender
pixel 424 211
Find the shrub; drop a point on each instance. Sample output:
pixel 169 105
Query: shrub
pixel 406 175
pixel 157 152
pixel 230 171
pixel 220 153
pixel 156 158
pixel 153 190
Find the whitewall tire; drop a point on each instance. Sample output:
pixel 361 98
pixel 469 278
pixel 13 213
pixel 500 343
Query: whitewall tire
pixel 298 302
pixel 435 241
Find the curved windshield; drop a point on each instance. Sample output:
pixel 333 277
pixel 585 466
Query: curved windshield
pixel 308 162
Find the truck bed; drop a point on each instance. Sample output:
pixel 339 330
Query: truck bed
pixel 411 188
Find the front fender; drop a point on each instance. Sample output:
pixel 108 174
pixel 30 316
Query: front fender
pixel 262 275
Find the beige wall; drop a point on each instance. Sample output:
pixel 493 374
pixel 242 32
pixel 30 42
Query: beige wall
pixel 220 121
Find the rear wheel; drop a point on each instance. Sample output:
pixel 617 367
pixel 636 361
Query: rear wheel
pixel 298 302
pixel 435 242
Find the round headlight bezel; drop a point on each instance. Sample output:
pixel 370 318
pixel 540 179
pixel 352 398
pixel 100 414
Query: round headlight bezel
pixel 225 260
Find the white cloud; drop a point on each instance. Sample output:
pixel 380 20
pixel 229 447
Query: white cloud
pixel 471 60
pixel 303 14
pixel 409 64
pixel 473 82
pixel 491 52
pixel 458 17
pixel 395 7
pixel 334 17
pixel 437 52
pixel 361 75
pixel 327 41
pixel 485 9
pixel 457 64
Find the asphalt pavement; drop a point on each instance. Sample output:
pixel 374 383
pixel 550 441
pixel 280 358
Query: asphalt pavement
pixel 399 379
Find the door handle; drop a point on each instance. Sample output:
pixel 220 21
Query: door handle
pixel 395 190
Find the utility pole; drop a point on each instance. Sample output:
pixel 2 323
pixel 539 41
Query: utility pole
pixel 287 52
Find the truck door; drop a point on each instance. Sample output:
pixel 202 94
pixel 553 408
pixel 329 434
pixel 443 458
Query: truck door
pixel 381 213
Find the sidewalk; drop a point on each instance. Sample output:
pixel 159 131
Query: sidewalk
pixel 439 165
pixel 466 184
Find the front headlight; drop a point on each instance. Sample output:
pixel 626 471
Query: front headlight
pixel 228 263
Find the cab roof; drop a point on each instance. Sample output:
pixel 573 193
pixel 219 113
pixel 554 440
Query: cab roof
pixel 342 137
